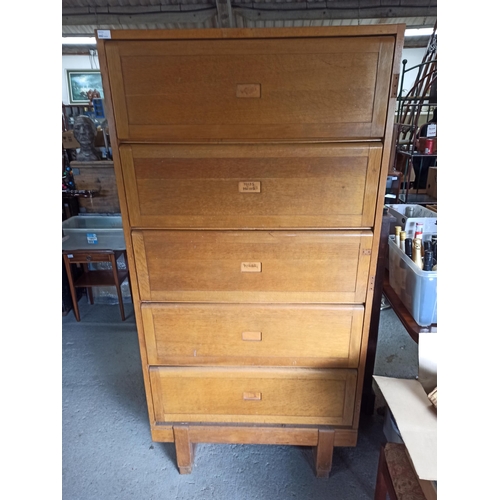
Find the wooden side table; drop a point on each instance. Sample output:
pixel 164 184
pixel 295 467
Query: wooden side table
pixel 90 278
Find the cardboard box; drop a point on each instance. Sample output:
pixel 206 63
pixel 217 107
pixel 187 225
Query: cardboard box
pixel 432 182
pixel 69 141
pixel 414 413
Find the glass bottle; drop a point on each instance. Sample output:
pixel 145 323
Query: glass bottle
pixel 417 252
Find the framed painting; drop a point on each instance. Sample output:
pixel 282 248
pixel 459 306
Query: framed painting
pixel 83 85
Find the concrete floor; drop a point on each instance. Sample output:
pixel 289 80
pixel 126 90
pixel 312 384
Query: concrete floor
pixel 107 448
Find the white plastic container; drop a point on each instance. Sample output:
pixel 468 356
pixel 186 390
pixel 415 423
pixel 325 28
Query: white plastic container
pixel 416 288
pixel 420 214
pixel 93 232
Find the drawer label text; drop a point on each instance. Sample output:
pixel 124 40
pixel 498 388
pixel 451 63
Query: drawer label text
pixel 249 187
pixel 251 267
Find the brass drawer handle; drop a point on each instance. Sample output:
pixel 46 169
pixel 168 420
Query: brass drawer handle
pixel 252 396
pixel 251 336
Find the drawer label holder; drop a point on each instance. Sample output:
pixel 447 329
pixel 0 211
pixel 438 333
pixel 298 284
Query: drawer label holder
pixel 251 267
pixel 251 336
pixel 248 90
pixel 249 187
pixel 252 396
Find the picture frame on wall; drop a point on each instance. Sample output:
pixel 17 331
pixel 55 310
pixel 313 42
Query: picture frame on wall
pixel 80 82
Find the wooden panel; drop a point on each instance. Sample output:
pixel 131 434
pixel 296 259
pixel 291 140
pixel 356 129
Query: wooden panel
pixel 253 434
pixel 98 176
pixel 252 186
pixel 216 433
pixel 288 396
pixel 236 33
pixel 335 87
pixel 251 334
pixel 303 266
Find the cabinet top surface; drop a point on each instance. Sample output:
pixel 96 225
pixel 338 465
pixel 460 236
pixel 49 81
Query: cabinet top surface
pixel 228 33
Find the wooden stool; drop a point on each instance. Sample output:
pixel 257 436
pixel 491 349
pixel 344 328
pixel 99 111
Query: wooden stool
pixel 396 476
pixel 113 277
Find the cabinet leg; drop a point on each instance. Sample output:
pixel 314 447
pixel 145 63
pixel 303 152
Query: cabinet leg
pixel 323 452
pixel 184 449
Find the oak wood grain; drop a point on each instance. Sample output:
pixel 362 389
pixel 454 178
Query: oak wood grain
pixel 257 146
pixel 252 334
pixel 323 452
pixel 298 186
pixel 207 394
pixel 184 449
pixel 309 87
pixel 249 33
pixel 110 105
pixel 298 435
pixel 301 266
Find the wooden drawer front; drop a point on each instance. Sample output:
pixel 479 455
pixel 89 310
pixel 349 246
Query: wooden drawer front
pixel 252 186
pixel 252 334
pixel 253 266
pixel 83 257
pixel 264 395
pixel 298 88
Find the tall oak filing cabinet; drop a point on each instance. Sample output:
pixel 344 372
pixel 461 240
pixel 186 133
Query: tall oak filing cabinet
pixel 251 167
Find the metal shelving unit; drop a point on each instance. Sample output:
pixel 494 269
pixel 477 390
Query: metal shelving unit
pixel 419 100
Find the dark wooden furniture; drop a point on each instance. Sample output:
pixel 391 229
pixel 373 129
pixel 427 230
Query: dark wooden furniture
pixel 396 476
pixel 98 177
pixel 251 167
pixel 368 399
pixel 90 278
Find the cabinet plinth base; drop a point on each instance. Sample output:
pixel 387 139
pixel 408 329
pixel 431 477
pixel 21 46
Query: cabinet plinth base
pixel 322 439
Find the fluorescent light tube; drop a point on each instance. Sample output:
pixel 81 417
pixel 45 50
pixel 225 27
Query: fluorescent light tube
pixel 78 40
pixel 419 32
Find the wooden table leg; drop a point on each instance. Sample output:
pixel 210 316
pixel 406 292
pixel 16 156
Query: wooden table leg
pixel 184 449
pixel 72 289
pixel 323 452
pixel 90 295
pixel 381 484
pixel 396 473
pixel 117 284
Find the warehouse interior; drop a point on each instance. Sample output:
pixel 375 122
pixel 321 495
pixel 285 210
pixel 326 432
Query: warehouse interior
pixel 218 15
pixel 99 416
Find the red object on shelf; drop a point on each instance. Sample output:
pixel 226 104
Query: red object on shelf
pixel 427 145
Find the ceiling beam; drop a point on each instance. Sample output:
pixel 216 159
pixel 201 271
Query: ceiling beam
pixel 225 10
pixel 270 14
pixel 124 19
pixel 224 13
